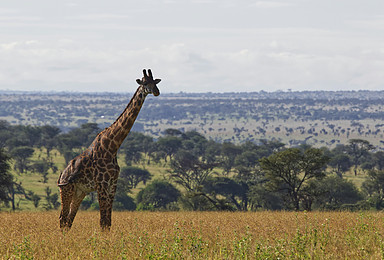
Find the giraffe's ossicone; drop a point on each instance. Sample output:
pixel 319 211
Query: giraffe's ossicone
pixel 96 168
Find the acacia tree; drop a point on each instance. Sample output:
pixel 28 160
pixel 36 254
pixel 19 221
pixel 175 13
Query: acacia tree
pixel 135 175
pixel 5 133
pixel 229 151
pixel 6 178
pixel 357 149
pixel 48 138
pixel 157 195
pixel 135 146
pixel 170 145
pixel 330 193
pixel 378 158
pixel 289 170
pixel 76 139
pixel 21 155
pixel 9 187
pixel 373 187
pixel 132 153
pixel 191 172
pixel 224 193
pixel 341 163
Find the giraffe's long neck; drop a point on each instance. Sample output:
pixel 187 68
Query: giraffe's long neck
pixel 113 136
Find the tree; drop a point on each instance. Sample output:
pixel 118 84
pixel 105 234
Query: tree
pixel 157 195
pixel 5 133
pixel 340 162
pixel 229 151
pixel 21 155
pixel 122 200
pixel 224 193
pixel 330 193
pixel 169 144
pixel 41 167
pixel 76 139
pixel 52 199
pixel 248 173
pixel 135 145
pixel 264 149
pixel 194 142
pixel 17 189
pixel 172 132
pixel 357 149
pixel 135 175
pixel 245 164
pixel 23 136
pixel 378 157
pixel 132 153
pixel 373 187
pixel 35 199
pixel 6 179
pixel 49 137
pixel 212 151
pixel 32 134
pixel 9 187
pixel 289 170
pixel 261 198
pixel 190 172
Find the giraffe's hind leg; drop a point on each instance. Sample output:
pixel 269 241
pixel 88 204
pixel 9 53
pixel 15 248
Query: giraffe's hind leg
pixel 77 198
pixel 66 193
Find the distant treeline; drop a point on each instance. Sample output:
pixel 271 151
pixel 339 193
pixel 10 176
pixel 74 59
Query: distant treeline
pixel 66 110
pixel 201 174
pixel 289 116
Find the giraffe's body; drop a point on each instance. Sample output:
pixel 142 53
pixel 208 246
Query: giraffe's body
pixel 96 169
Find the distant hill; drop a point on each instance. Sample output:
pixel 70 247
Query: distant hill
pixel 320 118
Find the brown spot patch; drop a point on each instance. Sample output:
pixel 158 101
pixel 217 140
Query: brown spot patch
pixel 105 142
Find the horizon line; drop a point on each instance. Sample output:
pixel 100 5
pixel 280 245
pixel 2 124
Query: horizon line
pixel 8 91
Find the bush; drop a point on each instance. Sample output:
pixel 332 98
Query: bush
pixel 157 195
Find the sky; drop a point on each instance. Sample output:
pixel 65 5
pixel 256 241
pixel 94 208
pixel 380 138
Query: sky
pixel 192 45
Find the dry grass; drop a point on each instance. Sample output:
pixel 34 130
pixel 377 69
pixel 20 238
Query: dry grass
pixel 195 235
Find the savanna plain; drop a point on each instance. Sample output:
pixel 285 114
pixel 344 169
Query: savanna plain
pixel 195 235
pixel 320 119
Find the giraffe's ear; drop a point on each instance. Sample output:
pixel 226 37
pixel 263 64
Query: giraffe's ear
pixel 157 81
pixel 139 82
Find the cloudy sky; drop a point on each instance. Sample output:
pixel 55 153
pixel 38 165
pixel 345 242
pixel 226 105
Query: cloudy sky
pixel 192 45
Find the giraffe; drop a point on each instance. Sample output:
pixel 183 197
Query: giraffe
pixel 96 168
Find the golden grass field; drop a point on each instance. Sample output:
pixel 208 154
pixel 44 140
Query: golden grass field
pixel 195 235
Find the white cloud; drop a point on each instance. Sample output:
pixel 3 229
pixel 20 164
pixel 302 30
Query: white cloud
pixel 23 19
pixel 376 23
pixel 72 4
pixel 100 17
pixel 271 4
pixel 8 11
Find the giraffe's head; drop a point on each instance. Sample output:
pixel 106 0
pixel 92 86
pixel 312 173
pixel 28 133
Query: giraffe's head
pixel 149 84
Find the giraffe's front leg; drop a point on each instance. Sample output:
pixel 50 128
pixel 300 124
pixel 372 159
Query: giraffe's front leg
pixel 105 216
pixel 106 196
pixel 105 204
